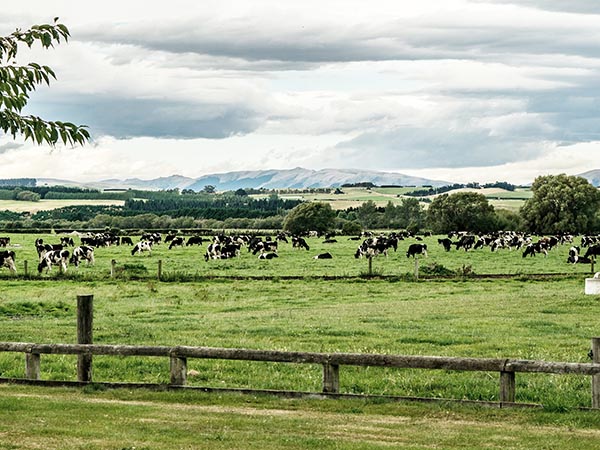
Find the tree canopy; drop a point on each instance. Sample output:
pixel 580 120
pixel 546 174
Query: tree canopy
pixel 314 216
pixel 462 211
pixel 561 203
pixel 17 82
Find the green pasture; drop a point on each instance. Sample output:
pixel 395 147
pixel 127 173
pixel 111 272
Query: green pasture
pixel 522 319
pixel 332 306
pixel 185 263
pixel 35 418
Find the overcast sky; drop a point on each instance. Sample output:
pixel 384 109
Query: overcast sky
pixel 461 90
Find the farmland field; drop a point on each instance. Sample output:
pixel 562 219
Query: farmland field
pixel 45 205
pixel 330 306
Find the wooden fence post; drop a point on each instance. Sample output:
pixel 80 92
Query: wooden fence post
pixel 32 366
pixel 113 265
pixel 331 378
pixel 507 387
pixel 178 370
pixel 25 268
pixel 85 319
pixel 159 269
pixel 596 378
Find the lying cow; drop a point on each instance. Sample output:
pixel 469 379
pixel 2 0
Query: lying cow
pixel 268 255
pixel 325 255
pixel 7 259
pixel 82 253
pixel 54 258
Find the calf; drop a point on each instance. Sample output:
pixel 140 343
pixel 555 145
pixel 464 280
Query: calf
pixel 142 246
pixel 7 259
pixel 54 258
pixel 81 253
pixel 416 249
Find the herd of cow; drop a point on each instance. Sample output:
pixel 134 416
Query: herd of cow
pixel 224 246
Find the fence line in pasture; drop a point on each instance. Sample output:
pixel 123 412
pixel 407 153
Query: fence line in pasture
pixel 330 362
pixel 162 274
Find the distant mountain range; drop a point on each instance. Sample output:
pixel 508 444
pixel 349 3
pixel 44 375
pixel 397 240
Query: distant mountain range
pixel 269 179
pixel 297 178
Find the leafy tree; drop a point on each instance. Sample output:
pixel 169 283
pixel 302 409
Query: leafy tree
pixel 241 193
pixel 27 196
pixel 561 203
pixel 351 228
pixel 462 211
pixel 314 216
pixel 17 82
pixel 367 214
pixel 209 189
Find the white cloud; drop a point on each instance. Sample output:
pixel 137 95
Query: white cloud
pixel 194 87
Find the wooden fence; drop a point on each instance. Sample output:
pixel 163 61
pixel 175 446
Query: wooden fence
pixel 331 363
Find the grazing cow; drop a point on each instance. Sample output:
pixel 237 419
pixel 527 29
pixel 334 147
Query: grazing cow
pixel 194 240
pixel 176 241
pixel 126 240
pixel 7 259
pixel 326 255
pixel 66 241
pixel 142 246
pixel 446 243
pixel 466 241
pixel 299 242
pixel 416 249
pixel 4 241
pixel 81 253
pixel 535 248
pixel 54 258
pixel 269 255
pixel 592 251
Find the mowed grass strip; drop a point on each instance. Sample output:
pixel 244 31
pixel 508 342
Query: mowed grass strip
pixel 33 418
pixel 539 320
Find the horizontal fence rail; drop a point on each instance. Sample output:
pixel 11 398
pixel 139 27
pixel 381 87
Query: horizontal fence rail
pixel 331 362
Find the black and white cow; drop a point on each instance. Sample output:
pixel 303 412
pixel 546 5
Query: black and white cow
pixel 142 246
pixel 592 251
pixel 416 249
pixel 325 255
pixel 54 258
pixel 534 248
pixel 4 241
pixel 176 241
pixel 7 259
pixel 81 253
pixel 194 240
pixel 126 240
pixel 67 241
pixel 299 242
pixel 268 255
pixel 446 243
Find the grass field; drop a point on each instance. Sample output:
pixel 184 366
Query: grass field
pixel 45 205
pixel 520 317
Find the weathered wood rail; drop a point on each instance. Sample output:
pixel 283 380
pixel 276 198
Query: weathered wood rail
pixel 331 362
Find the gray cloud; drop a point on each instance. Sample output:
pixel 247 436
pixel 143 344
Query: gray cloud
pixel 574 6
pixel 135 117
pixel 9 146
